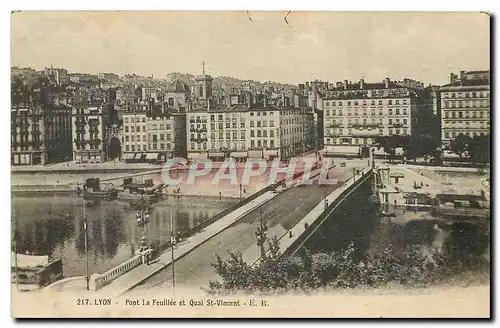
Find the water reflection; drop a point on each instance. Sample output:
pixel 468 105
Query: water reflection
pixel 54 226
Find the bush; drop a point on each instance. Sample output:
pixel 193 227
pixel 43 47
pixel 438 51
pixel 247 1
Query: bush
pixel 415 266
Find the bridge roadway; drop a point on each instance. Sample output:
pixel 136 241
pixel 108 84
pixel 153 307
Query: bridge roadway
pixel 282 213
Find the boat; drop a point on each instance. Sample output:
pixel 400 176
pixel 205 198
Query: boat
pixel 32 272
pixel 139 193
pixel 92 191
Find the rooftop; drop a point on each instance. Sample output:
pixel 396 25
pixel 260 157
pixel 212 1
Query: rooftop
pixel 178 86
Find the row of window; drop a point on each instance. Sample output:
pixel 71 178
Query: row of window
pixel 392 131
pixel 163 146
pixel 481 124
pixel 465 114
pixel 253 144
pixel 350 141
pixel 477 94
pixel 160 127
pixel 87 146
pixel 391 111
pixel 454 134
pixel 470 103
pixel 154 137
pixel 365 103
pixel 365 121
pixel 138 119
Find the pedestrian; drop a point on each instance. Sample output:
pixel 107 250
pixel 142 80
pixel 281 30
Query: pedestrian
pixel 290 235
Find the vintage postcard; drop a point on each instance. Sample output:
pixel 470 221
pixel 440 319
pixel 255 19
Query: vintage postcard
pixel 248 164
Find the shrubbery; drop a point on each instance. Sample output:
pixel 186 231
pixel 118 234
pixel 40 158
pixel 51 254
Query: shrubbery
pixel 415 266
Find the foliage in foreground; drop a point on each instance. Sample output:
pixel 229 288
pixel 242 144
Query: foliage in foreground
pixel 415 266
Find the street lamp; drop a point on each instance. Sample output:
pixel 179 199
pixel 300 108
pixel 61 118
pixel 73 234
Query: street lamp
pixel 142 220
pixel 240 190
pixel 261 235
pixel 85 229
pixel 325 199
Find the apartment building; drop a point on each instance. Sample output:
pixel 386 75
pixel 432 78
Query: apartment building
pixel 465 105
pixel 356 114
pixel 242 132
pixel 40 134
pixel 135 135
pixel 88 132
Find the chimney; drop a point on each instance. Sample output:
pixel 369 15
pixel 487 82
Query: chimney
pixel 452 77
pixel 361 83
pixel 338 84
pixel 462 75
pixel 386 80
pixel 345 84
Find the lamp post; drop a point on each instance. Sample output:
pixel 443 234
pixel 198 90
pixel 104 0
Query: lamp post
pixel 325 199
pixel 240 190
pixel 261 235
pixel 85 230
pixel 142 220
pixel 172 244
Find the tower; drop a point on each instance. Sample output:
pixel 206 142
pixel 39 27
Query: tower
pixel 203 89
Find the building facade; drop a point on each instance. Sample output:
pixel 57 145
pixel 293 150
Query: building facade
pixel 465 105
pixel 240 132
pixel 40 135
pixel 88 133
pixel 357 113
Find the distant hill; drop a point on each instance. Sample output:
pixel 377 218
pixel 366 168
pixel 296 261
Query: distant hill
pixel 226 81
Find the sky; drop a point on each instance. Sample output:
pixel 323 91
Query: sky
pixel 329 46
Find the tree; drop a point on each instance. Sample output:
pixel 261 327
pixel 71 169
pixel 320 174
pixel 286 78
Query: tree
pixel 479 149
pixel 460 144
pixel 421 145
pixel 390 143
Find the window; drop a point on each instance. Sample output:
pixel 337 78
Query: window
pixel 259 133
pixel 126 129
pixel 348 103
pixel 252 133
pixel 242 135
pixel 397 102
pixel 390 102
pixel 271 133
pixel 143 120
pixel 405 121
pixel 242 125
pixel 390 121
pixel 380 102
pixel 252 124
pixel 228 125
pixel 446 134
pixel 228 135
pixel 390 111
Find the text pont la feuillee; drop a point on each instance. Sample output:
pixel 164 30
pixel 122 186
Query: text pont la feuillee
pixel 195 302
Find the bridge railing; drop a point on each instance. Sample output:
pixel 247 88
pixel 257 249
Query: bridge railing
pixel 347 188
pixel 100 280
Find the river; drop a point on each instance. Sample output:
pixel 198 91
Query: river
pixel 54 225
